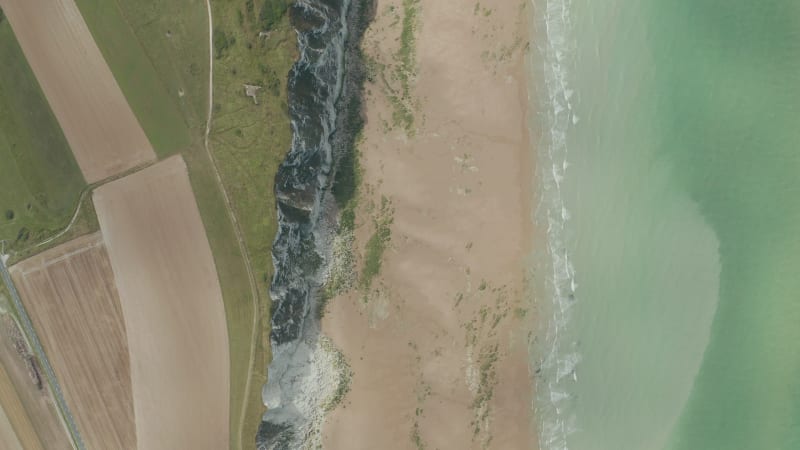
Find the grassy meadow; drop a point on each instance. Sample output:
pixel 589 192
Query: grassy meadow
pixel 40 182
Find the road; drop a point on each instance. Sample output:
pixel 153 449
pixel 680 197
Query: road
pixel 33 340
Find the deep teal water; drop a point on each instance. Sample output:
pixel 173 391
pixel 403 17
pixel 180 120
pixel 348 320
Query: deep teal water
pixel 674 259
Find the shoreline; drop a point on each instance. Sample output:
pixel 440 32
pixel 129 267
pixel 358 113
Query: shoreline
pixel 438 338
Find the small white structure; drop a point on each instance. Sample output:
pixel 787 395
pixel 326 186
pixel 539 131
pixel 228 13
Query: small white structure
pixel 250 91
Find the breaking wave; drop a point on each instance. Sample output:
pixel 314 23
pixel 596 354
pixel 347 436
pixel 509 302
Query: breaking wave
pixel 556 351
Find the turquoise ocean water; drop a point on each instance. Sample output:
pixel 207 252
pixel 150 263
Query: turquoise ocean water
pixel 669 171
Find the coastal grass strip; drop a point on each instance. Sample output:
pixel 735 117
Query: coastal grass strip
pixel 254 45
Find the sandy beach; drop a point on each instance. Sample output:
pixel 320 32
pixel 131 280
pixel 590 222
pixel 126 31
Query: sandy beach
pixel 438 342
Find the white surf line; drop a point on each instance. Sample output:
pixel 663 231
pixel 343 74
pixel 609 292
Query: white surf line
pixel 236 228
pixel 33 341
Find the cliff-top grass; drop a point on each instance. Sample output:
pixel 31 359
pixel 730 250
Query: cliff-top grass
pixel 250 140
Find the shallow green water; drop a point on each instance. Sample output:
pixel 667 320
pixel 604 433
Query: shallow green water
pixel 683 192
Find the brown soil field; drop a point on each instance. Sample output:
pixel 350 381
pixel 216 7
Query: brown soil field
pixel 8 438
pixel 9 408
pixel 27 406
pixel 99 125
pixel 438 343
pixel 70 295
pixel 16 430
pixel 172 305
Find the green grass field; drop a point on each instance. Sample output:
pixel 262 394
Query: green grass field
pixel 158 52
pixel 40 182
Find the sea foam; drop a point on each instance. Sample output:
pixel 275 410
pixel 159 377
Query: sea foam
pixel 556 357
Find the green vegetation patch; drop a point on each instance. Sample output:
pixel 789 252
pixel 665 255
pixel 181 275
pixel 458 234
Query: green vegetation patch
pixel 377 243
pixel 40 182
pixel 222 42
pixel 85 223
pixel 407 53
pixel 402 101
pixel 348 178
pixel 398 75
pixel 271 13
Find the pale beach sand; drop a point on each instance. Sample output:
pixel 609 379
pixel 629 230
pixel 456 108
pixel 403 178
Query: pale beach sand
pixel 438 346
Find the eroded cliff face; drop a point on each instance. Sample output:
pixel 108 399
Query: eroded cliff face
pixel 324 105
